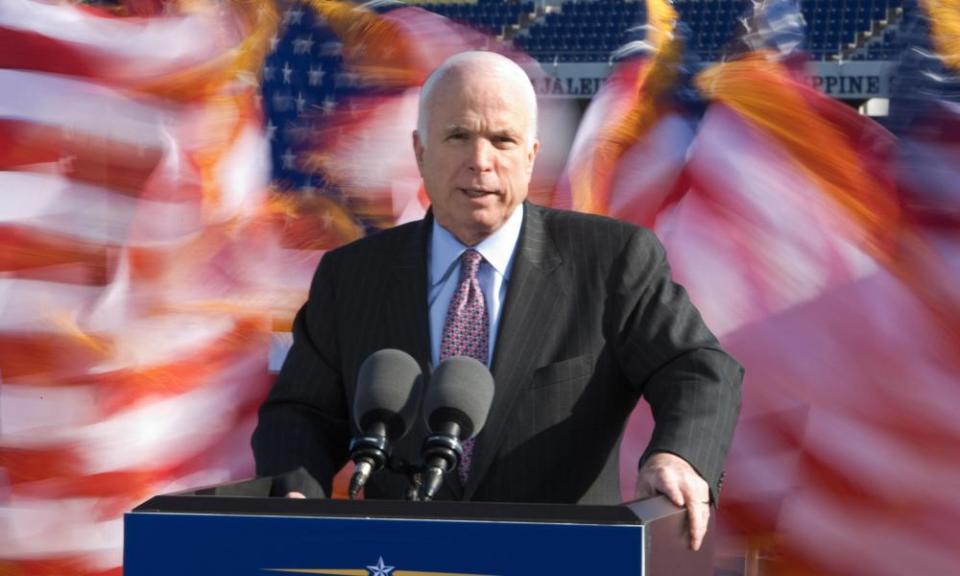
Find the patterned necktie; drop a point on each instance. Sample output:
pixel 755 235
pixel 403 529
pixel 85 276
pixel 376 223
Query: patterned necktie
pixel 466 329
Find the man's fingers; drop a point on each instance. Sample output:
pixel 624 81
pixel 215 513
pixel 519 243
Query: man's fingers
pixel 696 495
pixel 644 490
pixel 295 495
pixel 673 477
pixel 668 484
pixel 698 513
pixel 660 479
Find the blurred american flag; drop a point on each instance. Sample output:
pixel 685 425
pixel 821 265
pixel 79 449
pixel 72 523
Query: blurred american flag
pixel 136 289
pixel 146 264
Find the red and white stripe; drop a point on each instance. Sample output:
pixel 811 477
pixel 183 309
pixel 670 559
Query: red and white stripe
pixel 844 460
pixel 77 41
pixel 137 286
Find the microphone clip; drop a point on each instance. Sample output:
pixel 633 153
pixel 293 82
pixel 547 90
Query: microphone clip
pixel 444 450
pixel 369 452
pixel 372 447
pixel 442 453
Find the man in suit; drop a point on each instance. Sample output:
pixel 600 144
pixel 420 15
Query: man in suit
pixel 580 311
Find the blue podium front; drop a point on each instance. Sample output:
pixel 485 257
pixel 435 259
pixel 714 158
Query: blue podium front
pixel 260 536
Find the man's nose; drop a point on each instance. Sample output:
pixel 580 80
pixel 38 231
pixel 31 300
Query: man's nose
pixel 481 155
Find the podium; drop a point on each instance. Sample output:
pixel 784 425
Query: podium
pixel 203 533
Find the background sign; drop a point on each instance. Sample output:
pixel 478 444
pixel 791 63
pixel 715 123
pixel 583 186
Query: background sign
pixel 847 81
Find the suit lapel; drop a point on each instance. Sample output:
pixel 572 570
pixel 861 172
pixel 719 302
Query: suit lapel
pixel 533 296
pixel 405 301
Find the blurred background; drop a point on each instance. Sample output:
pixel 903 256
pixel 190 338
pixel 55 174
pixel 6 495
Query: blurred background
pixel 171 172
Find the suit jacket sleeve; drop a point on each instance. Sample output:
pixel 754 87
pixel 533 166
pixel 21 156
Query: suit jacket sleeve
pixel 305 419
pixel 665 349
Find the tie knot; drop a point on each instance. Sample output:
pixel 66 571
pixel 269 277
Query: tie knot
pixel 470 259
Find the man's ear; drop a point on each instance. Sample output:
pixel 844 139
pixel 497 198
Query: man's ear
pixel 418 148
pixel 532 155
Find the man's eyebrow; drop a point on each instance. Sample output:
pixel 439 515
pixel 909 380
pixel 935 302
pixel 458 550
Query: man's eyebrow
pixel 505 132
pixel 509 132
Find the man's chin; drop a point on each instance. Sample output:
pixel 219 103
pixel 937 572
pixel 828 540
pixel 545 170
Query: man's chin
pixel 475 230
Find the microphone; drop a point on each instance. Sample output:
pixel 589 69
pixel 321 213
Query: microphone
pixel 389 386
pixel 455 407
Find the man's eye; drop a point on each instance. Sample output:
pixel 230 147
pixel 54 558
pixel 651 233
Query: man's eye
pixel 457 136
pixel 505 140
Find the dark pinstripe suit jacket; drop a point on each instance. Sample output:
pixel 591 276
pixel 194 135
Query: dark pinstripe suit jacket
pixel 591 322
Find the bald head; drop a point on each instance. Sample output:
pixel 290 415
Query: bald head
pixel 478 113
pixel 479 67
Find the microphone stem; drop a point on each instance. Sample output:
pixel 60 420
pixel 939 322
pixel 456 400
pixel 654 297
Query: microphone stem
pixel 442 451
pixel 369 452
pixel 360 476
pixel 433 478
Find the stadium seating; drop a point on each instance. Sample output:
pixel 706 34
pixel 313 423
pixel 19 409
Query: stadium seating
pixel 589 30
pixel 490 16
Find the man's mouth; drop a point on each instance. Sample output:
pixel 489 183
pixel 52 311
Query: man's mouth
pixel 477 192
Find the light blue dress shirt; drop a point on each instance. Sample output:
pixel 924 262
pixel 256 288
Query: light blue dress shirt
pixel 443 272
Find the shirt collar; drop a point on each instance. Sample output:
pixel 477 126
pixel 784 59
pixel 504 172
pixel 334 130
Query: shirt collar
pixel 497 249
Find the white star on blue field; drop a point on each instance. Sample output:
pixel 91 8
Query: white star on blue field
pixel 380 569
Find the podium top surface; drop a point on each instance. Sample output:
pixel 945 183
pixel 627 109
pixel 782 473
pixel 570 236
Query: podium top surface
pixel 470 511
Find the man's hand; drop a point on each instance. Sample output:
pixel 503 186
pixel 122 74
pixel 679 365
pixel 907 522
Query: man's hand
pixel 672 476
pixel 295 495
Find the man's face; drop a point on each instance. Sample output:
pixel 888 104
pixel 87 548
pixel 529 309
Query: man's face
pixel 477 160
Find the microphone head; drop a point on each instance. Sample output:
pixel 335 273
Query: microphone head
pixel 460 391
pixel 389 387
